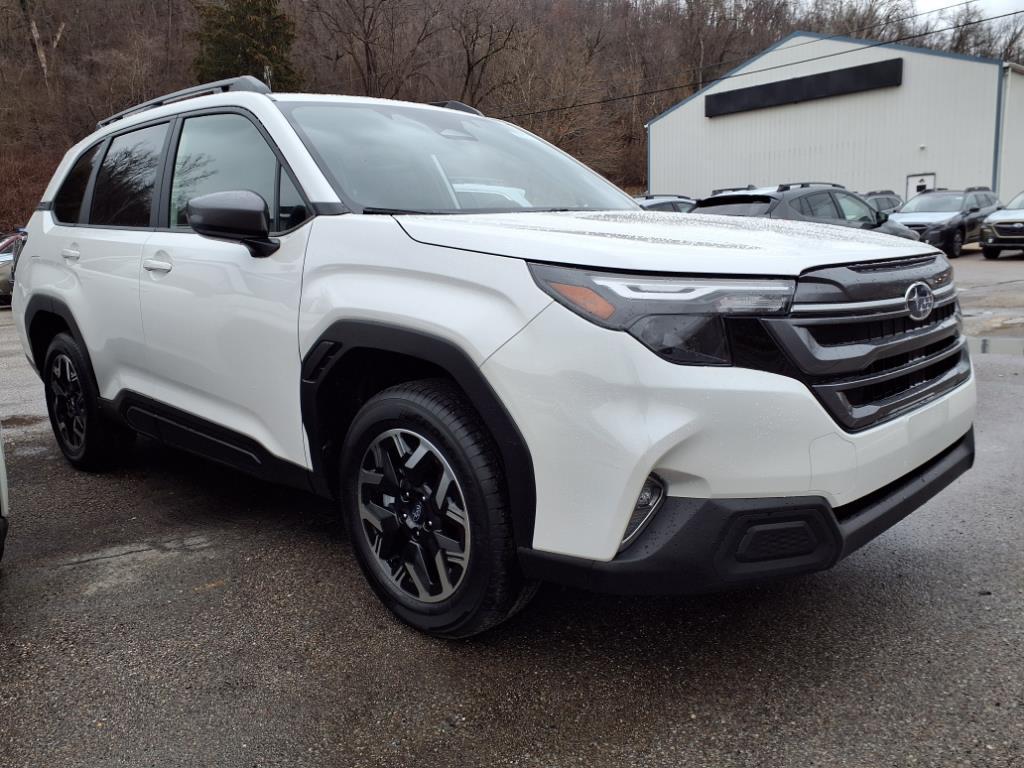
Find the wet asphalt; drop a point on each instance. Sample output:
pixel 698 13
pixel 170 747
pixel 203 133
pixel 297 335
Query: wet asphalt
pixel 174 613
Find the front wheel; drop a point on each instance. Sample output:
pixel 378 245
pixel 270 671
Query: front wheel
pixel 990 253
pixel 956 245
pixel 425 505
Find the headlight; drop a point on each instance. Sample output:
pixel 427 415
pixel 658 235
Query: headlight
pixel 679 318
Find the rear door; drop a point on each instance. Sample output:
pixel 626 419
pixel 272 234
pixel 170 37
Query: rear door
pixel 102 216
pixel 221 326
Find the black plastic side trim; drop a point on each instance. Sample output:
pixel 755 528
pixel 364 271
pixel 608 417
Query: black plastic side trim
pixel 346 336
pixel 43 303
pixel 329 209
pixel 183 430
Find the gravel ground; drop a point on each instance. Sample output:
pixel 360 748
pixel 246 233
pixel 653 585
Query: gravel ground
pixel 174 613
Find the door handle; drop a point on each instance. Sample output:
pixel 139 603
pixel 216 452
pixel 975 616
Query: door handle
pixel 157 265
pixel 71 254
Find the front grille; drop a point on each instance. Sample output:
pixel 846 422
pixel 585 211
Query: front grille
pixel 1010 230
pixel 867 360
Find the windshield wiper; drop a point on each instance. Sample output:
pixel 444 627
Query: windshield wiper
pixel 396 212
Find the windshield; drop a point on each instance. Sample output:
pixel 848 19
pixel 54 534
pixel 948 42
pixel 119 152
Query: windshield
pixel 934 203
pixel 1017 204
pixel 394 158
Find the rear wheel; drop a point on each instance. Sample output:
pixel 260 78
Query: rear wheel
pixel 990 253
pixel 87 439
pixel 425 506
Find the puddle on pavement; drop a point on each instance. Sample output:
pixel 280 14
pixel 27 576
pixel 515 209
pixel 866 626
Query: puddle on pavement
pixel 995 345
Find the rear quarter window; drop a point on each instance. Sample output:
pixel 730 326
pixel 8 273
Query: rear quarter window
pixel 67 203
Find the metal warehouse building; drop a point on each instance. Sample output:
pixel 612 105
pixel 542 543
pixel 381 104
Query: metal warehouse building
pixel 819 108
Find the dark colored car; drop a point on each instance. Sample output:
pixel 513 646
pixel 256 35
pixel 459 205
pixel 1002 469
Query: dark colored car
pixel 804 201
pixel 884 200
pixel 8 251
pixel 1004 230
pixel 675 203
pixel 949 218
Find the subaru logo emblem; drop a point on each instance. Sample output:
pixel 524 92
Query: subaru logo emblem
pixel 1018 225
pixel 920 301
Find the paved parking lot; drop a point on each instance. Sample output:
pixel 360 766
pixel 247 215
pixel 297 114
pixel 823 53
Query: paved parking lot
pixel 178 614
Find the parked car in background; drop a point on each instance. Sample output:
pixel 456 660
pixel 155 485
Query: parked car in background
pixel 948 218
pixel 884 200
pixel 3 497
pixel 676 203
pixel 803 201
pixel 8 244
pixel 1003 230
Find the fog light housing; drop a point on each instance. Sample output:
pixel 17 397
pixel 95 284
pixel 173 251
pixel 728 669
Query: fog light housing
pixel 647 503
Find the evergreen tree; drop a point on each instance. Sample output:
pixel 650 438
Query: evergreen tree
pixel 246 37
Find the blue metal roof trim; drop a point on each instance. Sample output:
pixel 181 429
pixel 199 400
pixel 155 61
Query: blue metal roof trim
pixel 819 36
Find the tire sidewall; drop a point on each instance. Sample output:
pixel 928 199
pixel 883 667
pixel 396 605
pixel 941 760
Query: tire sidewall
pixel 63 344
pixel 400 413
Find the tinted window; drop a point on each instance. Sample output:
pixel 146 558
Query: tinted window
pixel 67 204
pixel 818 205
pixel 661 207
pixel 124 186
pixel 292 210
pixel 683 207
pixel 973 201
pixel 735 205
pixel 220 153
pixel 854 209
pixel 1017 203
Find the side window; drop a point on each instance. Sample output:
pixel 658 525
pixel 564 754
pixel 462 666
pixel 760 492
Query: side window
pixel 818 205
pixel 291 208
pixel 67 203
pixel 662 207
pixel 973 201
pixel 854 209
pixel 220 153
pixel 123 196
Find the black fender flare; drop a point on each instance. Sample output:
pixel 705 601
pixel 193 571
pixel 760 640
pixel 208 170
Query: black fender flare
pixel 54 306
pixel 345 336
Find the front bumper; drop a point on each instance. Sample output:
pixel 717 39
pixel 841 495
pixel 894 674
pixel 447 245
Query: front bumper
pixel 707 545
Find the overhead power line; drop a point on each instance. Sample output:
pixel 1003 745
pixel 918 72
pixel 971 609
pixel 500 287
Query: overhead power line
pixel 669 89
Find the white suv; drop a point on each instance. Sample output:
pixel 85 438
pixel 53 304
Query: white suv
pixel 499 366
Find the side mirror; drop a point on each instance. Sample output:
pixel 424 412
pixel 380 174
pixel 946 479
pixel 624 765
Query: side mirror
pixel 975 209
pixel 881 218
pixel 240 216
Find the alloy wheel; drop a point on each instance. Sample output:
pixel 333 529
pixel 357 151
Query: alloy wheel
pixel 413 514
pixel 69 408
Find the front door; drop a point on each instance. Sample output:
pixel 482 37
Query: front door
pixel 221 325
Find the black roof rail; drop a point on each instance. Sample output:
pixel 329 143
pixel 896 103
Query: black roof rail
pixel 457 105
pixel 667 194
pixel 880 192
pixel 802 184
pixel 720 190
pixel 977 189
pixel 243 83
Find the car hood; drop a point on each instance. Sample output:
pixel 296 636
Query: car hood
pixel 923 218
pixel 1015 214
pixel 660 242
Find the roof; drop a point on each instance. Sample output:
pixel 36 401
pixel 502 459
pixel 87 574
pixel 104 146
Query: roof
pixel 819 36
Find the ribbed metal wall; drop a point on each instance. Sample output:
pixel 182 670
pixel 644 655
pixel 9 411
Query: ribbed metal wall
pixel 1011 156
pixel 941 120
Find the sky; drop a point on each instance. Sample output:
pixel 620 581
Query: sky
pixel 989 7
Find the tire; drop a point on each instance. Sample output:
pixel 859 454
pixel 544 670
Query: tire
pixel 990 253
pixel 438 552
pixel 88 440
pixel 956 245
